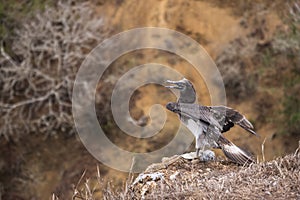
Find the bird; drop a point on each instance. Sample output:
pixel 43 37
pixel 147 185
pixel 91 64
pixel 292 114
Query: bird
pixel 188 95
pixel 207 123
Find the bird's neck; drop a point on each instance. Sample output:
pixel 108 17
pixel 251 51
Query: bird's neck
pixel 187 97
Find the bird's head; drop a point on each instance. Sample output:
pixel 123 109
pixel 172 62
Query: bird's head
pixel 172 106
pixel 186 88
pixel 181 85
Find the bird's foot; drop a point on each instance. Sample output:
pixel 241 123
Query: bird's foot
pixel 206 155
pixel 189 156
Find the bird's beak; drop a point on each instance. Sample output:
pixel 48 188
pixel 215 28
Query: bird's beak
pixel 172 106
pixel 176 84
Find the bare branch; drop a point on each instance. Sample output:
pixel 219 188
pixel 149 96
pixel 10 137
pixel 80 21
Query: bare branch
pixel 36 91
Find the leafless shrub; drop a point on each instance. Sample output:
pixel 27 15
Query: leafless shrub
pixel 36 90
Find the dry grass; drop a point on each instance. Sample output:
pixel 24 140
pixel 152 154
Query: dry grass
pixel 277 179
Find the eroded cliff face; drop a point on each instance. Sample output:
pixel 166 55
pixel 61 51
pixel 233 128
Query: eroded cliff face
pixel 232 38
pixel 212 26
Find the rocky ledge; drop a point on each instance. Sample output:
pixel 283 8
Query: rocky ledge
pixel 180 178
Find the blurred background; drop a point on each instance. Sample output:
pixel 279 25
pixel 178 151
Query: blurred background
pixel 255 44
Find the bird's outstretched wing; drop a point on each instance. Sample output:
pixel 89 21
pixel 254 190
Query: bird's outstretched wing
pixel 234 153
pixel 195 112
pixel 232 117
pixel 220 116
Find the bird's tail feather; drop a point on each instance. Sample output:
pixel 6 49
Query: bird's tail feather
pixel 234 153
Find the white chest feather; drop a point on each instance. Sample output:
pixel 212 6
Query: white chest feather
pixel 194 127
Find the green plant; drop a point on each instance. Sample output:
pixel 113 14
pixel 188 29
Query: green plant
pixel 291 110
pixel 291 101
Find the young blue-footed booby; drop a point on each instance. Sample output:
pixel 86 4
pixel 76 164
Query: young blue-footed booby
pixel 207 123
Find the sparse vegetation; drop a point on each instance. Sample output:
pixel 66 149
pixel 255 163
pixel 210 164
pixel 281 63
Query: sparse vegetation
pixel 239 83
pixel 43 44
pixel 286 46
pixel 292 97
pixel 257 64
pixel 37 80
pixel 12 11
pixel 182 179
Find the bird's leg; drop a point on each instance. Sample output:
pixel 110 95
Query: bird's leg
pixel 197 147
pixel 202 150
pixel 197 152
pixel 199 143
